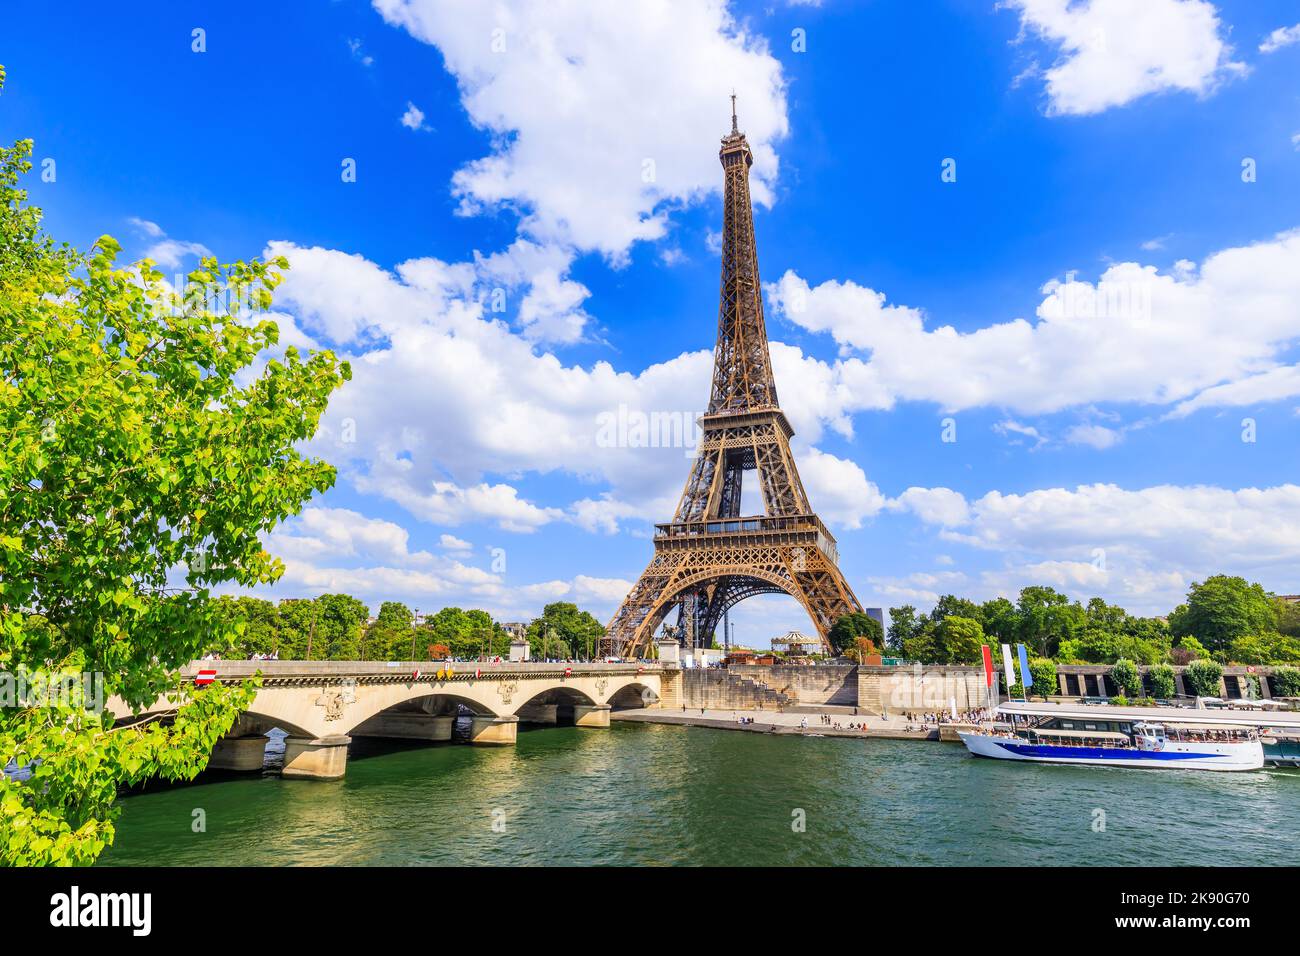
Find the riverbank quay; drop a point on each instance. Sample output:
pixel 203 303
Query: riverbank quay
pixel 780 722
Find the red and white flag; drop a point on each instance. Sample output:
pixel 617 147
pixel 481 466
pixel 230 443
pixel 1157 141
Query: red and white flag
pixel 568 672
pixel 205 676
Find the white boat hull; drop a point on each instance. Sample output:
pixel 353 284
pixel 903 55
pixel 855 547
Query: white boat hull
pixel 1175 755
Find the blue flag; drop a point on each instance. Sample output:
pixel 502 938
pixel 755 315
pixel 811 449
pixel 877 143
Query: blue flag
pixel 1026 680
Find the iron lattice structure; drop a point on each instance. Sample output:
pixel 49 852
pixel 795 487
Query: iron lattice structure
pixel 709 557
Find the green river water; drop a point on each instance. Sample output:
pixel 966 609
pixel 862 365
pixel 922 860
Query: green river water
pixel 663 795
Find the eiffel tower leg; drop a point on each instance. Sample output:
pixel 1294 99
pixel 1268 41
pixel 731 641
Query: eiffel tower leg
pixel 822 590
pixel 643 610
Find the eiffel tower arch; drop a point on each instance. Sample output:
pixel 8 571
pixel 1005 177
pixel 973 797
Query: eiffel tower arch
pixel 710 557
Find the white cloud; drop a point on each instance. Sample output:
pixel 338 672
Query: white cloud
pixel 146 227
pixel 340 550
pixel 168 253
pixel 413 118
pixel 1138 335
pixel 941 506
pixel 1115 51
pixel 354 46
pixel 614 100
pixel 1141 546
pixel 838 488
pixel 447 503
pixel 1010 427
pixel 1098 436
pixel 1279 38
pixel 443 396
pixel 1271 386
pixel 449 542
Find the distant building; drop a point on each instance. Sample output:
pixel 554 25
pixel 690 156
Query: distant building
pixel 877 614
pixel 1290 598
pixel 515 629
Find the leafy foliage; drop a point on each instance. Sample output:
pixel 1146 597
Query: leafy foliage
pixel 1222 609
pixel 1162 681
pixel 1285 682
pixel 1126 677
pixel 849 627
pixel 563 631
pixel 1204 678
pixel 140 462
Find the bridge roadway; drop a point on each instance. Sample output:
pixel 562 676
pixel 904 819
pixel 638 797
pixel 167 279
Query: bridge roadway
pixel 322 705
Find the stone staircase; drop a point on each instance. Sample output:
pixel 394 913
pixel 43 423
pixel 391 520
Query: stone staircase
pixel 718 689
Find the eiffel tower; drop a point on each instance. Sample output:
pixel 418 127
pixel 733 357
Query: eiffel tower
pixel 710 557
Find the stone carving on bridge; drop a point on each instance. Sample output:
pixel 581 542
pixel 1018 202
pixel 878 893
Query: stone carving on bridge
pixel 506 689
pixel 601 683
pixel 335 699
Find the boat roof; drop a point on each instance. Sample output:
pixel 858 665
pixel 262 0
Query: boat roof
pixel 1182 716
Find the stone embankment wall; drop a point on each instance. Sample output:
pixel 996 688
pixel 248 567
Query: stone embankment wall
pixel 810 684
pixel 911 690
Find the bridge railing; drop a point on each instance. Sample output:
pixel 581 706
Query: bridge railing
pixel 231 668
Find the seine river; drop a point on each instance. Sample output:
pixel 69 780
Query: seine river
pixel 661 795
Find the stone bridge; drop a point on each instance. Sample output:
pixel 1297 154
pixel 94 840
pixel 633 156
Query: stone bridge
pixel 322 705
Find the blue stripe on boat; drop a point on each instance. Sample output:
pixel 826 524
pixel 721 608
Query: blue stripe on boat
pixel 1094 753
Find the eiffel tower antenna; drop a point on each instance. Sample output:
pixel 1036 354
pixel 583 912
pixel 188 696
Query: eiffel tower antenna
pixel 710 557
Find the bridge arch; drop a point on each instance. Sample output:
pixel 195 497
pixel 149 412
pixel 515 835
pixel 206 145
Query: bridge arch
pixel 632 695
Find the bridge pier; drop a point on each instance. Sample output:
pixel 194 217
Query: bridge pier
pixel 591 715
pixel 316 758
pixel 238 753
pixel 491 730
pixel 407 725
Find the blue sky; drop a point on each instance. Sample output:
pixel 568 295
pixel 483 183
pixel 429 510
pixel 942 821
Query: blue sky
pixel 560 160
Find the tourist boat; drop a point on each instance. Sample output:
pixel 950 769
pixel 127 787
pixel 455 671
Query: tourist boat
pixel 1184 746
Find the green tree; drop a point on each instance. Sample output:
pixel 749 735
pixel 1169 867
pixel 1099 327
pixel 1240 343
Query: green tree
pixel 297 628
pixel 1126 677
pixel 1204 678
pixel 1288 616
pixel 1162 682
pixel 1094 645
pixel 1221 609
pixel 340 619
pixel 849 627
pixel 903 627
pixel 143 460
pixel 1285 682
pixel 1188 649
pixel 563 630
pixel 960 639
pixel 1272 648
pixel 924 644
pixel 952 606
pixel 1047 618
pixel 1001 620
pixel 391 635
pixel 255 622
pixel 1043 671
